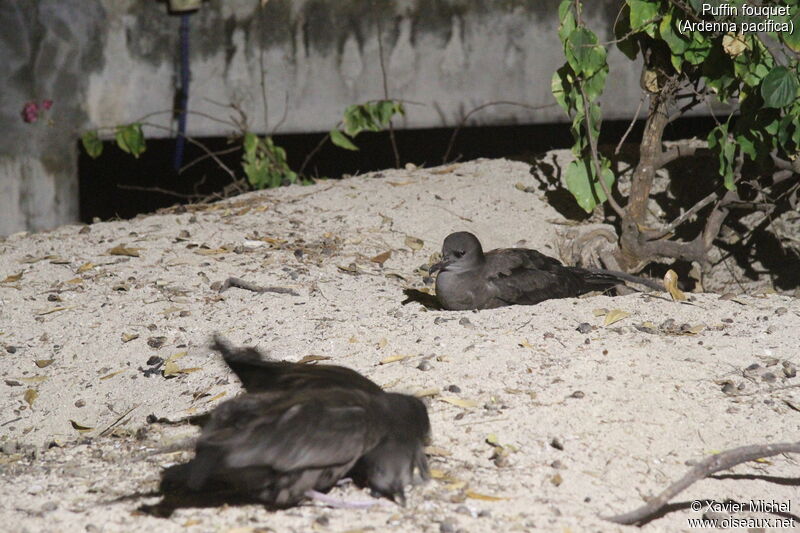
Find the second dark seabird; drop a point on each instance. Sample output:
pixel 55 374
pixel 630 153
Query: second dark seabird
pixel 299 429
pixel 471 279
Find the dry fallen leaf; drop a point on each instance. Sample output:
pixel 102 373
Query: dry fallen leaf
pixel 12 278
pixel 313 358
pixel 210 251
pixel 393 359
pixel 671 284
pixel 526 344
pixel 424 393
pixel 30 396
pixel 467 404
pixel 127 337
pixel 122 250
pixel 80 427
pixel 84 267
pixel 381 258
pixel 53 310
pixel 600 312
pixel 41 363
pixel 216 397
pixel 485 497
pixel 111 375
pixel 414 243
pixel 170 366
pixel 615 315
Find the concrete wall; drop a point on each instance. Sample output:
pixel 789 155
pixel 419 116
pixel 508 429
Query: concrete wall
pixel 106 62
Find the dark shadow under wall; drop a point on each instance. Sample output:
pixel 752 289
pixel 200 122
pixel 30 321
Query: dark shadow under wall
pixel 105 182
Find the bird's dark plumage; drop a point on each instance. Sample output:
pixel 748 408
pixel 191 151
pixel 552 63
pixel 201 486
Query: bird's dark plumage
pixel 303 427
pixel 259 374
pixel 471 279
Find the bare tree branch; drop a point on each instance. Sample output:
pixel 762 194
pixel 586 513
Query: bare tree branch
pixel 703 469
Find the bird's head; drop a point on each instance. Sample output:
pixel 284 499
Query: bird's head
pixel 460 251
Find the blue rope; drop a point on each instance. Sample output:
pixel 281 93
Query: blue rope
pixel 180 142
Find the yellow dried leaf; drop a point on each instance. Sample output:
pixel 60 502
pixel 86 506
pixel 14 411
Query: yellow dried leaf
pixel 189 370
pixel 694 330
pixel 171 368
pixel 671 284
pixel 456 485
pixel 414 243
pixel 75 281
pixel 52 310
pixel 84 267
pixel 41 363
pixel 615 315
pixel 34 379
pixel 80 427
pixel 313 358
pixel 439 452
pixel 599 312
pixel 381 258
pixel 437 474
pixel 426 392
pixel 122 250
pixel 460 402
pixel 216 397
pixel 12 278
pixel 485 497
pixel 393 359
pixel 400 183
pixel 734 44
pixel 492 439
pixel 128 337
pixel 111 375
pixel 526 344
pixel 210 251
pixel 30 396
pixel 382 343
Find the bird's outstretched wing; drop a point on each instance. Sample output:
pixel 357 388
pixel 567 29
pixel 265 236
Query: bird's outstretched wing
pixel 259 374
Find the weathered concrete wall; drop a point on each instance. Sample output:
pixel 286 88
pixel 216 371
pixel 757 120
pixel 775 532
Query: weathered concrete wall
pixel 106 62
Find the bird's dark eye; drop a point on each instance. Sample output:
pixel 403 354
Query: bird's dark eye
pixel 458 253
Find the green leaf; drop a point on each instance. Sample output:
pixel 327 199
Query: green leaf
pixel 250 143
pixel 595 84
pixel 626 42
pixel 719 142
pixel 130 139
pixel 583 53
pixel 563 88
pixel 792 39
pixel 566 20
pixel 340 140
pixel 92 144
pixel 779 87
pixel 643 15
pixel 677 43
pixel 581 182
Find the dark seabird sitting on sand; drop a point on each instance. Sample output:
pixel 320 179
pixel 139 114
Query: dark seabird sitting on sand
pixel 471 279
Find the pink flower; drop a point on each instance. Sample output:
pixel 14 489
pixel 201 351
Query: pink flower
pixel 30 112
pixel 47 104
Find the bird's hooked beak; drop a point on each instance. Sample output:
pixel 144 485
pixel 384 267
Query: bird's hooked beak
pixel 441 265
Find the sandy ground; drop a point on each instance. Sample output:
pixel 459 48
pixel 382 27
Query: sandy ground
pixel 583 424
